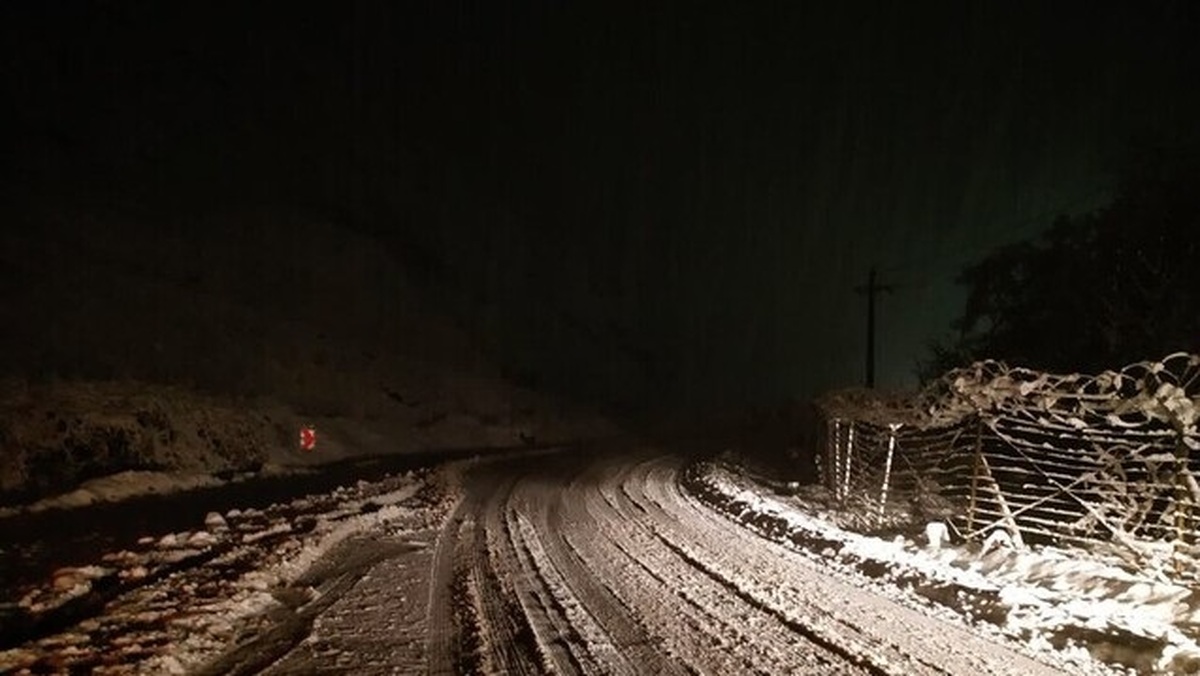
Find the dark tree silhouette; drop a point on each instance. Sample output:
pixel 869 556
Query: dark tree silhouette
pixel 1094 291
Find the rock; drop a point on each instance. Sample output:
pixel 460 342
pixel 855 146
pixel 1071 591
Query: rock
pixel 65 579
pixel 215 522
pixel 171 665
pixel 201 538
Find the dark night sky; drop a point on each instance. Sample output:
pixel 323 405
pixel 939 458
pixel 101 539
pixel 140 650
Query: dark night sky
pixel 666 204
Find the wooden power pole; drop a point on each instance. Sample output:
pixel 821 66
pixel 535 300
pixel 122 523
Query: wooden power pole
pixel 871 289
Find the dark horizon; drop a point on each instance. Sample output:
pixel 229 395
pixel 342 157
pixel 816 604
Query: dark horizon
pixel 661 209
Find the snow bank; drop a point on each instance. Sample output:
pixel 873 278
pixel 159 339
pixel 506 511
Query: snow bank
pixel 1052 599
pixel 178 601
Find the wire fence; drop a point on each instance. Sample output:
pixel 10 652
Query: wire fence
pixel 1108 461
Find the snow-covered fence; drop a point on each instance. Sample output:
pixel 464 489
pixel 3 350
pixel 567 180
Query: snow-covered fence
pixel 1109 460
pixel 878 462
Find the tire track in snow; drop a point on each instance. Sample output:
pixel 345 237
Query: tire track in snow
pixel 509 645
pixel 808 609
pixel 733 628
pixel 559 520
pixel 557 638
pixel 598 653
pixel 892 636
pixel 577 567
pixel 441 635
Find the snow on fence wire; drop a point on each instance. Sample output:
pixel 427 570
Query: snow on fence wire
pixel 1108 461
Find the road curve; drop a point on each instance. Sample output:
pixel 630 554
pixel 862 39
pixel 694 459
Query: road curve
pixel 574 563
pixel 565 564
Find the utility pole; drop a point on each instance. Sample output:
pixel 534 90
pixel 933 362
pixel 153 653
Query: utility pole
pixel 871 289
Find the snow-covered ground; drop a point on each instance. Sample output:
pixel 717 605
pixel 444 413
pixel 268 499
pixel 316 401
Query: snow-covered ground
pixel 1066 601
pixel 139 483
pixel 576 562
pixel 181 599
pixel 73 444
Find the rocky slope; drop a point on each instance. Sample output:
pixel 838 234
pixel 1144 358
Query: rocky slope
pixel 201 343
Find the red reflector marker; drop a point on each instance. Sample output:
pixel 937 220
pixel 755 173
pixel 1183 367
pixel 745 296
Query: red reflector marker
pixel 308 438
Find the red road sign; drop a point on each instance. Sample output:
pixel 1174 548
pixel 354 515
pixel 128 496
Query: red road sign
pixel 308 438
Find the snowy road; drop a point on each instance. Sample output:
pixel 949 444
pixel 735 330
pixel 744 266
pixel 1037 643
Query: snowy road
pixel 542 563
pixel 554 564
